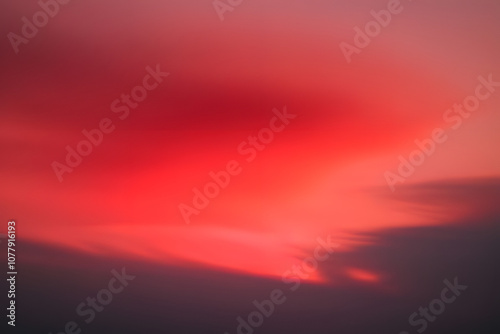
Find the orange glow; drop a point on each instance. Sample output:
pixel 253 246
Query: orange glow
pixel 362 275
pixel 322 175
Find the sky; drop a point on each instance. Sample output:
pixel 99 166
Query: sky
pixel 315 137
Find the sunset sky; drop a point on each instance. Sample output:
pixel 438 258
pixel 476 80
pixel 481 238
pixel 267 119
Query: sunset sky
pixel 322 176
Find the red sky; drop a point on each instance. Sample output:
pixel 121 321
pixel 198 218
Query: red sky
pixel 323 175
